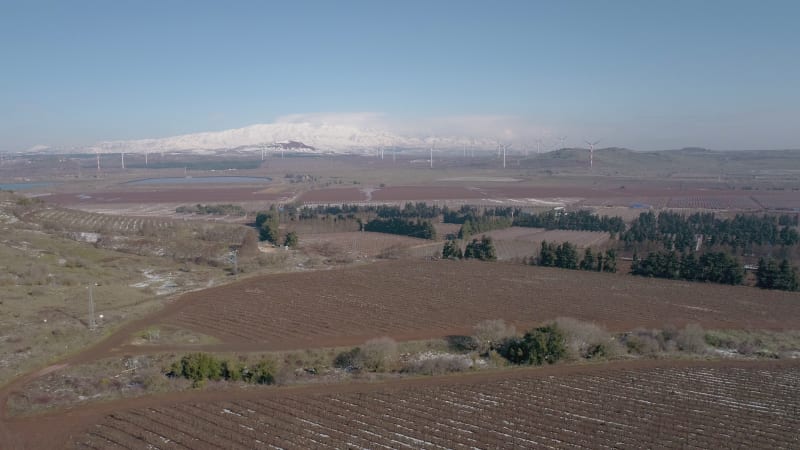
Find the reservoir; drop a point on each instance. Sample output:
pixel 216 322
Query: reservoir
pixel 201 180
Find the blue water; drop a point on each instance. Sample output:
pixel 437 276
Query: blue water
pixel 201 180
pixel 22 186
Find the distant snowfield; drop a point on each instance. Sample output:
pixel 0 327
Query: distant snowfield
pixel 324 137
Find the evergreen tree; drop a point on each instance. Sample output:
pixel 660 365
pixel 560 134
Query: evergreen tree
pixel 588 261
pixel 291 240
pixel 451 250
pixel 610 261
pixel 547 256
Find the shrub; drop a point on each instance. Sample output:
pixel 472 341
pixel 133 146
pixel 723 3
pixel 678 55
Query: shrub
pixel 350 360
pixel 379 354
pixel 197 367
pixel 461 343
pixel 540 345
pixel 587 340
pixel 262 373
pixel 692 339
pixel 490 333
pixel 643 342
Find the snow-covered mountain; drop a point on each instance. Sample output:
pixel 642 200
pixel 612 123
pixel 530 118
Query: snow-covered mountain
pixel 323 137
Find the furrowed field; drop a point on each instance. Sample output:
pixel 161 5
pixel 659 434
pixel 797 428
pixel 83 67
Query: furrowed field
pixel 422 299
pixel 700 406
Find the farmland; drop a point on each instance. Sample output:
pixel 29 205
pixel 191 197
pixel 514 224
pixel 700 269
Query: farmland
pixel 724 405
pixel 421 299
pixel 364 245
pixel 342 288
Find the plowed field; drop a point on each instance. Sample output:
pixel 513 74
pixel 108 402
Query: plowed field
pixel 711 406
pixel 425 299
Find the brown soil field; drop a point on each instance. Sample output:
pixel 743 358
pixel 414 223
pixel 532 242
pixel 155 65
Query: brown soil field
pixel 658 197
pixel 648 405
pixel 195 195
pixel 361 244
pixel 537 235
pixel 427 299
pixel 333 195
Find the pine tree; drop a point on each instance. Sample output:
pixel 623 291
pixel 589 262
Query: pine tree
pixel 588 261
pixel 451 250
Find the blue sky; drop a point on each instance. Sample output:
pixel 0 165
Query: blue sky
pixel 640 74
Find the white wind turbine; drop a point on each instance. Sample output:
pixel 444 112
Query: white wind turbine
pixel 505 149
pixel 591 152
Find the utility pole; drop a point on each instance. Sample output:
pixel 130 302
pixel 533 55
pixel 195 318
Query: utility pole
pixel 92 323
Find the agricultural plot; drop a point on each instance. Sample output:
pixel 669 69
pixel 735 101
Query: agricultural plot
pixel 360 245
pixel 537 235
pixel 782 200
pixel 417 299
pixel 188 195
pixel 81 221
pixel 712 406
pixel 518 242
pixel 737 202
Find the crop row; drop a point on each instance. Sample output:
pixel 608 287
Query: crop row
pixel 711 407
pixel 94 222
pixel 737 202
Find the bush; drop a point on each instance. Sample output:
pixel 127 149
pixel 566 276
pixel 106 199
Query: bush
pixel 692 339
pixel 379 354
pixel 540 345
pixel 199 367
pixel 350 360
pixel 587 340
pixel 490 333
pixel 461 343
pixel 643 342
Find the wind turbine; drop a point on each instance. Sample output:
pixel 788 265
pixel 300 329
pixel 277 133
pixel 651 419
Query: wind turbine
pixel 591 152
pixel 505 147
pixel 561 140
pixel 122 156
pixel 145 158
pixel 97 155
pixel 432 146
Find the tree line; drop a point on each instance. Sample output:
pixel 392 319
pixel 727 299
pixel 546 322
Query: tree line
pixel 580 220
pixel 418 228
pixel 214 210
pixel 679 232
pixel 773 275
pixel 199 367
pixel 565 256
pixel 714 267
pixel 482 249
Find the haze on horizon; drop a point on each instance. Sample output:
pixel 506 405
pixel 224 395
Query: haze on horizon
pixel 646 76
